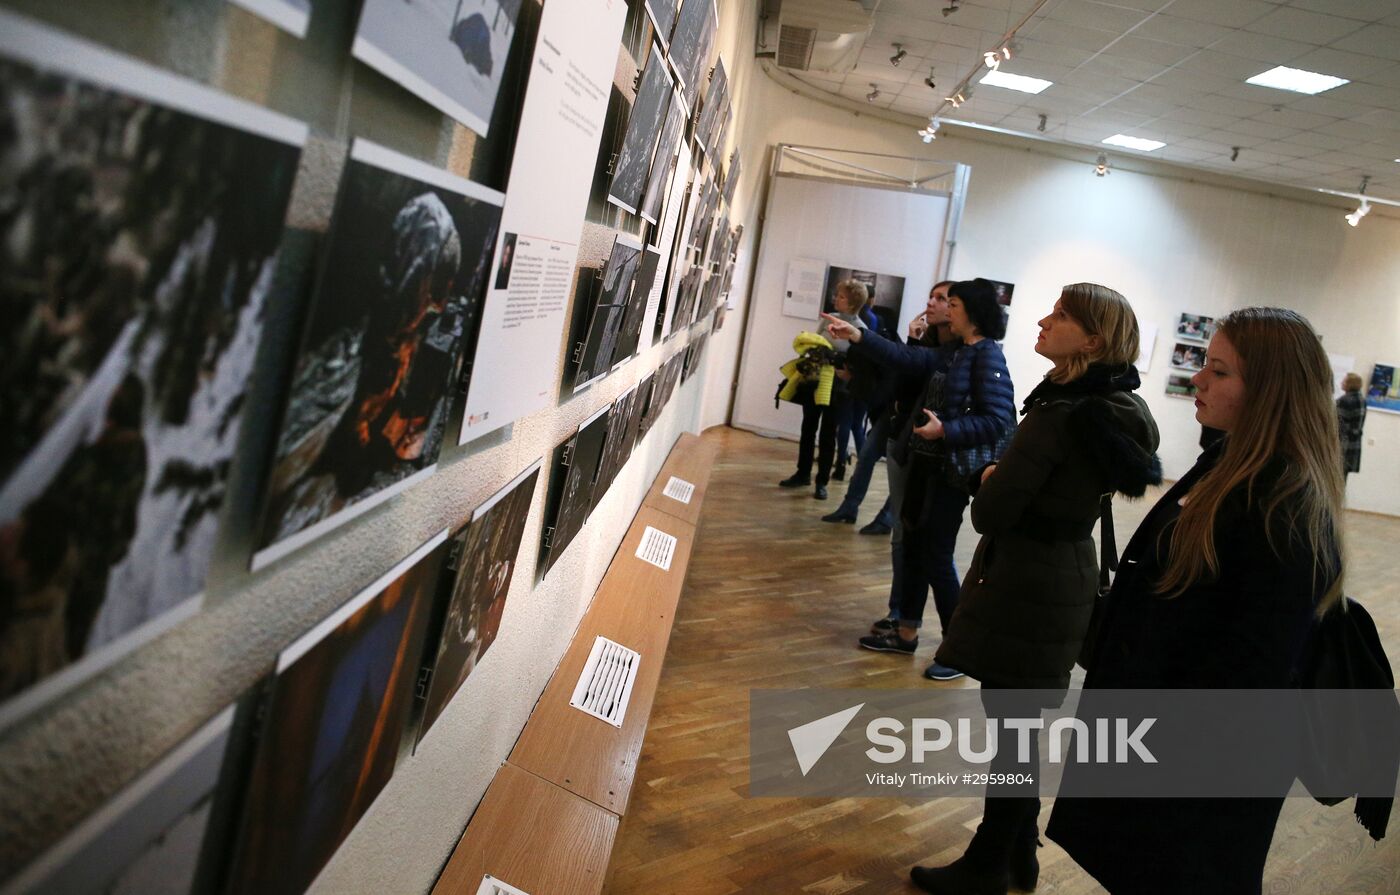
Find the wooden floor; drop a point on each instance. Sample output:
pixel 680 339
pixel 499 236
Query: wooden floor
pixel 776 599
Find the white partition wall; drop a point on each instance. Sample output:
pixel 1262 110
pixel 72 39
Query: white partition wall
pixel 898 224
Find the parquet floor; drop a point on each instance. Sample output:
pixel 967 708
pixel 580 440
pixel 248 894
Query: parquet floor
pixel 776 598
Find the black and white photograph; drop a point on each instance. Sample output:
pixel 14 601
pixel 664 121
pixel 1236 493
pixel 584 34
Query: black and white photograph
pixel 1195 327
pixel 487 550
pixel 630 330
pixel 716 100
pixel 663 15
pixel 606 321
pixel 694 356
pixel 400 293
pixel 507 260
pixel 576 499
pixel 150 839
pixel 1188 356
pixel 615 446
pixel 886 291
pixel 629 177
pixel 332 727
pixel 140 220
pixel 662 162
pixel 691 43
pixel 292 16
pixel 731 177
pixel 645 391
pixel 449 53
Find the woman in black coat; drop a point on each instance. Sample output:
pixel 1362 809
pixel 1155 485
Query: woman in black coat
pixel 1027 599
pixel 1219 588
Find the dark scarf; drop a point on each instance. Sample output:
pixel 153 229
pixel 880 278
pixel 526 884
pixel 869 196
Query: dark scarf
pixel 1098 379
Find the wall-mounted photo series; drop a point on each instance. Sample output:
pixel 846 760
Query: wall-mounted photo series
pixel 629 177
pixel 630 331
pixel 1179 385
pixel 157 835
pixel 605 319
pixel 695 356
pixel 663 16
pixel 711 112
pixel 691 44
pixel 334 720
pixel 449 53
pixel 399 294
pixel 291 16
pixel 1195 327
pixel 1383 391
pixel 646 393
pixel 616 449
pixel 574 471
pixel 135 276
pixel 731 177
pixel 483 557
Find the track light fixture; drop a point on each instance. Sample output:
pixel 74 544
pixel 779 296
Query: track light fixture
pixel 874 93
pixel 1041 127
pixel 1234 153
pixel 957 99
pixel 1365 207
pixel 994 58
pixel 929 81
pixel 951 8
pixel 1101 166
pixel 899 54
pixel 929 133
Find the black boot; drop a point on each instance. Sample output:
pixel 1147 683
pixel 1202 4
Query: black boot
pixel 1025 866
pixel 962 877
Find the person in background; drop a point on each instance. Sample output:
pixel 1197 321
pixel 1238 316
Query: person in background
pixel 818 422
pixel 974 407
pixel 1220 588
pixel 1351 420
pixel 1025 605
pixel 851 427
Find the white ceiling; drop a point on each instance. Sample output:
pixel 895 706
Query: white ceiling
pixel 1169 70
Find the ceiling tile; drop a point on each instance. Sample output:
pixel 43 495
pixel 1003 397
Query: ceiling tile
pixel 1352 66
pixel 1301 25
pixel 1263 47
pixel 1075 37
pixel 1228 105
pixel 1327 104
pixel 1321 141
pixel 1124 67
pixel 1365 10
pixel 1187 80
pixel 1225 65
pixel 1184 32
pixel 1257 128
pixel 1294 119
pixel 1215 120
pixel 1095 15
pixel 1151 50
pixel 1229 138
pixel 1373 40
pixel 1067 56
pixel 1234 14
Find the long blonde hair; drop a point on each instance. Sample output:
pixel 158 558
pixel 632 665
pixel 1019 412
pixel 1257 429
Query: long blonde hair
pixel 1103 313
pixel 1287 414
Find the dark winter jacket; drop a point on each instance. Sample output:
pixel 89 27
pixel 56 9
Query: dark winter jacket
pixel 906 368
pixel 1246 627
pixel 1028 596
pixel 1351 420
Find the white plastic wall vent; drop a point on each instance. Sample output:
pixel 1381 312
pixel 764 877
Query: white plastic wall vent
pixel 492 886
pixel 679 489
pixel 605 685
pixel 657 548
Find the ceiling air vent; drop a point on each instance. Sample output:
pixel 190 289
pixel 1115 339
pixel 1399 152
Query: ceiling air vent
pixel 606 682
pixel 822 35
pixel 795 46
pixel 492 886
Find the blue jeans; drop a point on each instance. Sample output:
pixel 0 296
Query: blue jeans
pixel 896 475
pixel 933 513
pixel 870 454
pixel 851 425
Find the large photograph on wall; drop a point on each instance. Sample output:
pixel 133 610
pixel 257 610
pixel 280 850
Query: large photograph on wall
pixel 400 293
pixel 691 43
pixel 605 324
pixel 150 839
pixel 1383 392
pixel 661 163
pixel 584 453
pixel 140 219
pixel 449 53
pixel 487 550
pixel 629 177
pixel 333 723
pixel 886 291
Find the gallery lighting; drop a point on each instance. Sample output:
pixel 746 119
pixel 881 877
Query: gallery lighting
pixel 951 8
pixel 1138 143
pixel 997 78
pixel 929 133
pixel 899 54
pixel 932 86
pixel 994 58
pixel 1282 77
pixel 1041 127
pixel 1101 166
pixel 956 100
pixel 874 93
pixel 1365 207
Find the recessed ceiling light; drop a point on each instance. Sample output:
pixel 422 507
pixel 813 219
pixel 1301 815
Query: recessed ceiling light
pixel 1296 79
pixel 1014 82
pixel 1134 143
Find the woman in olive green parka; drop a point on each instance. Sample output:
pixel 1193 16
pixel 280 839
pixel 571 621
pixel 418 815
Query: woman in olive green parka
pixel 1027 599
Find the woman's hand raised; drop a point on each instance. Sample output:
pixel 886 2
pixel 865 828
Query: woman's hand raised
pixel 840 329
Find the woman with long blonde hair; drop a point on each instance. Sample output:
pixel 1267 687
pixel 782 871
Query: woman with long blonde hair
pixel 1219 588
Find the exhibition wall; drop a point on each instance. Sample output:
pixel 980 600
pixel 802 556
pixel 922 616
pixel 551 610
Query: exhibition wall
pixel 385 164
